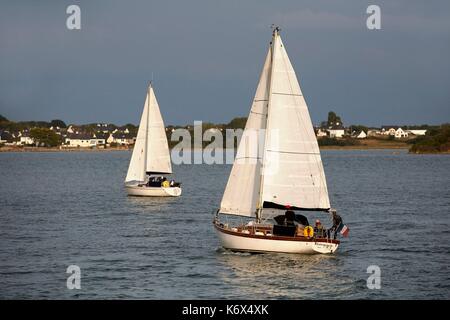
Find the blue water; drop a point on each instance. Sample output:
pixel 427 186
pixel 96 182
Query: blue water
pixel 60 209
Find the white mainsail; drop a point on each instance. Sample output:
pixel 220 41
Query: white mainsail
pixel 242 190
pixel 151 151
pixel 292 171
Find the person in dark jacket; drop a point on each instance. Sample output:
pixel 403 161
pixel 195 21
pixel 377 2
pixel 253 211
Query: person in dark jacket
pixel 337 221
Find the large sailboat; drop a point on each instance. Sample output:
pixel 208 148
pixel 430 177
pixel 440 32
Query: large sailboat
pixel 150 160
pixel 284 175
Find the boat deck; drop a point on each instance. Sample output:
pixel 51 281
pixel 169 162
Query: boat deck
pixel 267 231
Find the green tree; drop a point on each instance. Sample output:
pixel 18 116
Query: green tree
pixel 237 123
pixel 3 119
pixel 58 123
pixel 46 137
pixel 333 119
pixel 436 140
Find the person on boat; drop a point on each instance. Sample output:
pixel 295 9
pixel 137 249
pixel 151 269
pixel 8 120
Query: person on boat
pixel 150 181
pixel 154 182
pixel 319 229
pixel 289 218
pixel 337 221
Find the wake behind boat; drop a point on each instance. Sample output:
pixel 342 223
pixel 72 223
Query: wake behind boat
pixel 268 186
pixel 150 160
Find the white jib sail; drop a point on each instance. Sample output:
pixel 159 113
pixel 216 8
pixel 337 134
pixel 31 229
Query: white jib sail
pixel 293 170
pixel 242 190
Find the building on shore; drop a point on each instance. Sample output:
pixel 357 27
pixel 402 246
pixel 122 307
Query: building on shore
pixel 25 139
pixel 336 131
pixel 321 133
pixel 361 135
pixel 417 132
pixel 83 140
pixel 395 131
pixel 121 138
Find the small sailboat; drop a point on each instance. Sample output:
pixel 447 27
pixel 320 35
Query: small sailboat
pixel 270 185
pixel 150 160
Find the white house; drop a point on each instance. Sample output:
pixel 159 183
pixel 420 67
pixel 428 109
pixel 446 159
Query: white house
pixel 321 133
pixel 399 133
pixel 373 132
pixel 98 139
pixel 336 131
pixel 7 138
pixel 80 140
pixel 26 140
pixel 395 131
pixel 121 138
pixel 388 131
pixel 361 135
pixel 4 137
pixel 110 139
pixel 417 132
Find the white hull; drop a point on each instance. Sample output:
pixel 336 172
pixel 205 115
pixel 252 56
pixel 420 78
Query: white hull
pixel 251 243
pixel 144 191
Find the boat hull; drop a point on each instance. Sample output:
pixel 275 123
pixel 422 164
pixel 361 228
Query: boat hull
pixel 144 191
pixel 238 241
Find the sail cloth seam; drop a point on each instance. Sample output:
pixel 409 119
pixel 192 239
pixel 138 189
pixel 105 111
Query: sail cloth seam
pixel 292 152
pixel 288 94
pixel 257 113
pixel 237 158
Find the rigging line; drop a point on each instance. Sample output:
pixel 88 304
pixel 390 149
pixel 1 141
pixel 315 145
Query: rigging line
pixel 247 158
pixel 262 114
pixel 288 94
pixel 259 100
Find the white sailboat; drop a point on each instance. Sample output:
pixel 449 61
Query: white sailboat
pixel 286 174
pixel 151 158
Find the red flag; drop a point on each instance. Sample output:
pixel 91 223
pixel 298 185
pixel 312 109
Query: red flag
pixel 345 230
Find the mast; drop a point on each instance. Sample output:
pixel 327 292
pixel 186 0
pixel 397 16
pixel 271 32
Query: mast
pixel 260 204
pixel 146 128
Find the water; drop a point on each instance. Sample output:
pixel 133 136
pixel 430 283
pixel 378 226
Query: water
pixel 61 209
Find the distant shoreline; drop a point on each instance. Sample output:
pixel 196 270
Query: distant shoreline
pixel 363 147
pixel 57 149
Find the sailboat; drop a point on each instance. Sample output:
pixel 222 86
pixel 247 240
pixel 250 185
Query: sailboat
pixel 150 160
pixel 269 185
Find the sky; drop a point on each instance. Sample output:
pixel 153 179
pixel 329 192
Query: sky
pixel 205 58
